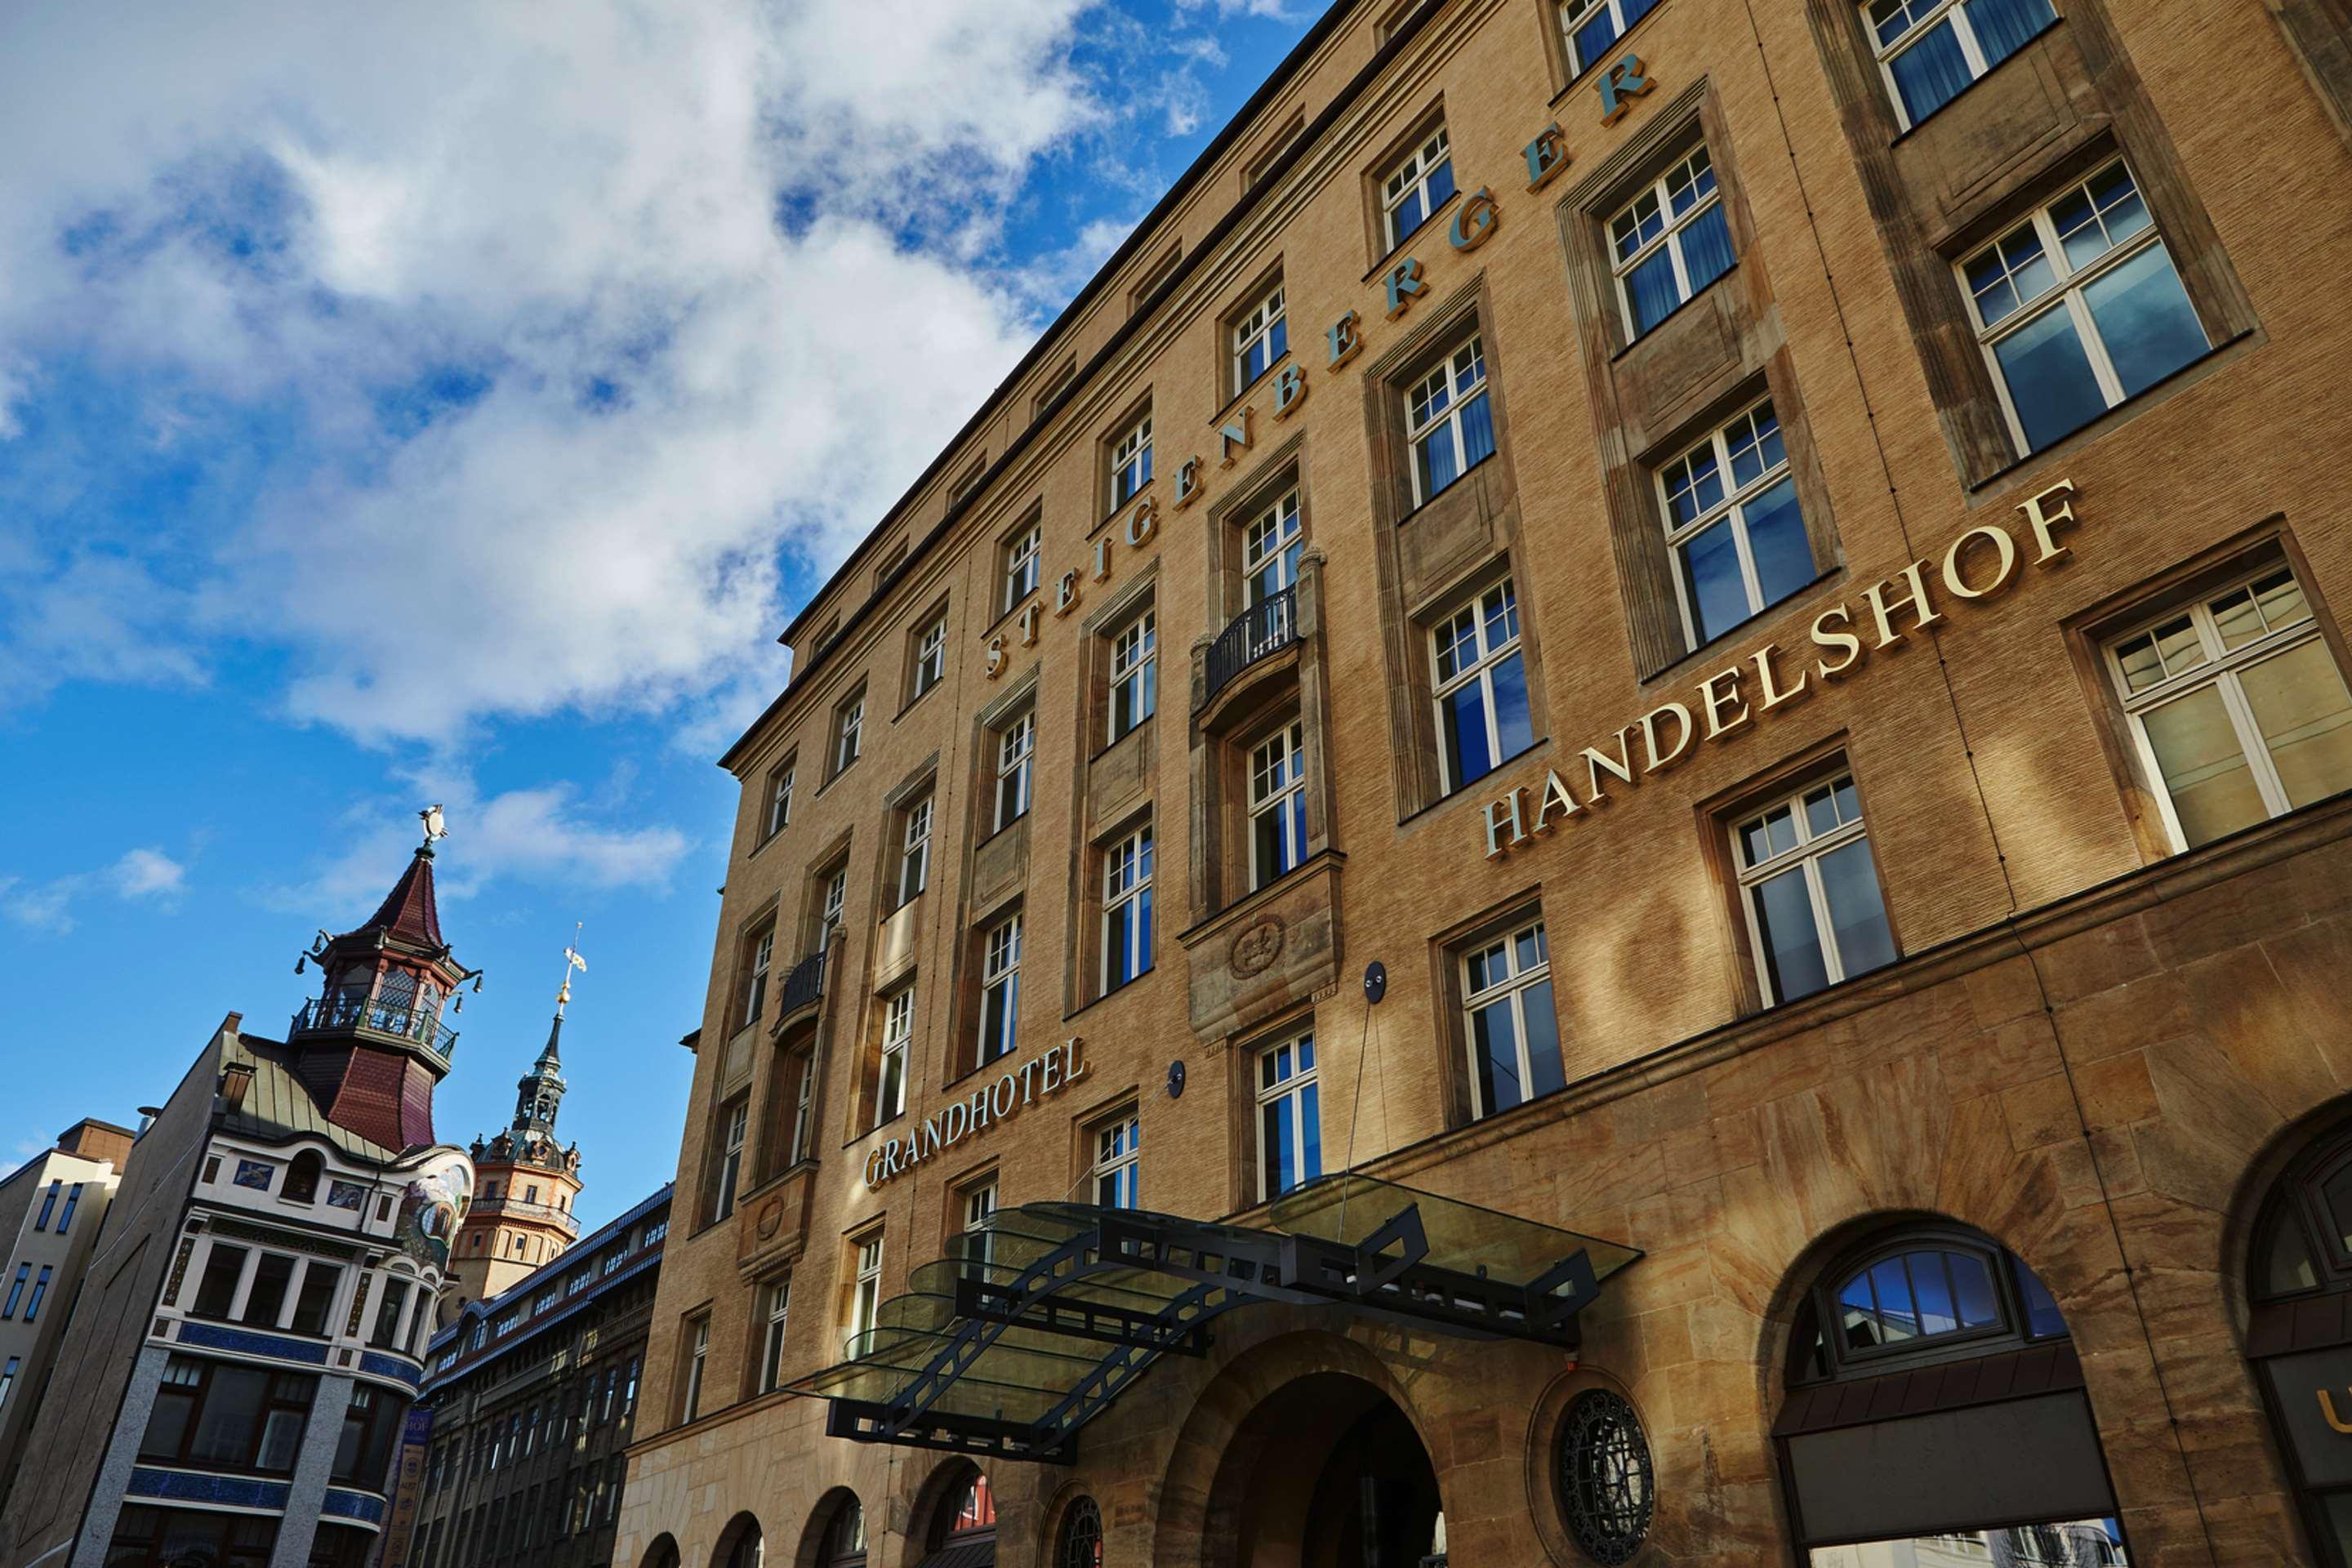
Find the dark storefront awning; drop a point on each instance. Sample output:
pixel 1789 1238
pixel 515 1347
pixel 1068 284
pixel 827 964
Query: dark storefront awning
pixel 1049 1310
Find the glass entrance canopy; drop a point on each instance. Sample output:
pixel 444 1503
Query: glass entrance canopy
pixel 1039 1319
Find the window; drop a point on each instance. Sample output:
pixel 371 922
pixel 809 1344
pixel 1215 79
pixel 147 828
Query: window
pixel 8 1379
pixel 266 1297
pixel 1289 1125
pixel 1608 1482
pixel 1134 673
pixel 1733 525
pixel 1014 745
pixel 217 1416
pixel 980 1238
pixel 370 1427
pixel 1150 283
pixel 1416 187
pixel 1053 388
pixel 897 1030
pixel 1260 335
pixel 1931 49
pixel 755 981
pixel 1814 912
pixel 779 797
pixel 1513 1030
pixel 1000 990
pixel 48 1201
pixel 1448 421
pixel 803 1105
pixel 1081 1542
pixel 1021 553
pixel 215 1291
pixel 836 902
pixel 1131 462
pixel 1118 1163
pixel 698 1359
pixel 845 1537
pixel 301 1184
pixel 1483 717
pixel 775 1303
pixel 734 1118
pixel 2079 308
pixel 390 1303
pixel 1669 242
pixel 149 1537
pixel 848 731
pixel 964 486
pixel 915 848
pixel 314 1303
pixel 930 656
pixel 24 1272
pixel 1126 908
pixel 866 1291
pixel 1278 803
pixel 1591 25
pixel 1271 546
pixel 2236 707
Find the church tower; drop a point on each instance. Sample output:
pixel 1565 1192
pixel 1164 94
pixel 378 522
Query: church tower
pixel 525 1183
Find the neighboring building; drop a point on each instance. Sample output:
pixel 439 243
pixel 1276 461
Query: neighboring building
pixel 521 1219
pixel 1712 660
pixel 533 1399
pixel 238 1371
pixel 50 1208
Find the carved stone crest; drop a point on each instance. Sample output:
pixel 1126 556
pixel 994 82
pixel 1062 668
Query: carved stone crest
pixel 1255 946
pixel 770 1219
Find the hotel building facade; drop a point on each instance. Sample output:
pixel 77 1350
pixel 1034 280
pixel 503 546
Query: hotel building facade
pixel 1603 822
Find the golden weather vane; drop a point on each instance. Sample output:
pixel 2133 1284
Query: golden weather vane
pixel 572 961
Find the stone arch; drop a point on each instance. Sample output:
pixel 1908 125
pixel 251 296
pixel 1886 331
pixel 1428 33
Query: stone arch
pixel 816 1533
pixel 662 1553
pixel 740 1545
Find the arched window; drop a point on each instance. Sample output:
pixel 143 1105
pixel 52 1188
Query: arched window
pixel 2299 1274
pixel 1923 1343
pixel 1080 1544
pixel 301 1183
pixel 845 1537
pixel 966 1516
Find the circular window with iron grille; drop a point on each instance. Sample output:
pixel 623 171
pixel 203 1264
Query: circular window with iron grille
pixel 1607 1482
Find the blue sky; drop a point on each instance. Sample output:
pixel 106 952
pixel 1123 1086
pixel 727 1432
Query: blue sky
pixel 452 403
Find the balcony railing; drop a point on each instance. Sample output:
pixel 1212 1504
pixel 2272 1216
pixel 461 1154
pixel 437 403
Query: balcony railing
pixel 1266 627
pixel 524 1207
pixel 805 983
pixel 379 1013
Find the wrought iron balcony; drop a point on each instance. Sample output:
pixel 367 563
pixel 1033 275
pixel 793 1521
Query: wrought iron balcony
pixel 1266 627
pixel 526 1208
pixel 804 984
pixel 379 1013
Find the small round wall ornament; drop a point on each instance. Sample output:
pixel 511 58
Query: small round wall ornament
pixel 1176 1080
pixel 1376 981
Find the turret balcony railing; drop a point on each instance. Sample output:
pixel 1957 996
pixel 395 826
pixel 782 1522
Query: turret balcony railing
pixel 1264 628
pixel 804 984
pixel 378 1014
pixel 525 1208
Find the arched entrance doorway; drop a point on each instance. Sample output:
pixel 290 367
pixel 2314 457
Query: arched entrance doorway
pixel 1327 1472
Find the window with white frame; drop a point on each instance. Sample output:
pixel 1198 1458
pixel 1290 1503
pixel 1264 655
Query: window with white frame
pixel 2236 707
pixel 779 797
pixel 1290 1122
pixel 1271 546
pixel 762 961
pixel 1512 1030
pixel 803 1105
pixel 1591 25
pixel 1483 717
pixel 866 1289
pixel 1733 525
pixel 1669 242
pixel 980 1240
pixel 1931 50
pixel 2079 307
pixel 832 911
pixel 890 1068
pixel 1260 335
pixel 1810 891
pixel 1130 461
pixel 734 1122
pixel 848 731
pixel 1015 744
pixel 1278 803
pixel 1134 673
pixel 1416 187
pixel 1000 990
pixel 698 1359
pixel 1118 1163
pixel 1448 424
pixel 1126 908
pixel 775 1305
pixel 1021 553
pixel 930 656
pixel 915 848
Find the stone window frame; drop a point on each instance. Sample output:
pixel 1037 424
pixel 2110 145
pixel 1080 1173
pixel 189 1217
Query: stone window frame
pixel 1233 383
pixel 1281 471
pixel 753 976
pixel 1413 151
pixel 912 812
pixel 1551 23
pixel 1450 1041
pixel 1137 413
pixel 1288 1093
pixel 1057 381
pixel 725 1150
pixel 1954 14
pixel 918 635
pixel 1469 593
pixel 964 1190
pixel 865 1256
pixel 1019 563
pixel 1813 846
pixel 776 798
pixel 1089 956
pixel 1123 1164
pixel 967 483
pixel 771 1306
pixel 848 715
pixel 884 1037
pixel 1270 150
pixel 1139 594
pixel 694 1333
pixel 1149 281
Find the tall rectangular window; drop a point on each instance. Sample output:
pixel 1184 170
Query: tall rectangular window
pixel 930 656
pixel 8 1379
pixel 1733 525
pixel 1447 422
pixel 1000 990
pixel 804 1104
pixel 314 1303
pixel 2079 308
pixel 734 1121
pixel 779 797
pixel 891 1069
pixel 48 1204
pixel 1591 25
pixel 774 1306
pixel 1019 573
pixel 1271 547
pixel 1417 186
pixel 1118 1163
pixel 698 1359
pixel 1290 1122
pixel 848 731
pixel 980 1238
pixel 273 1278
pixel 1814 912
pixel 1015 743
pixel 1278 803
pixel 1669 242
pixel 1126 908
pixel 215 1291
pixel 1512 1028
pixel 1260 335
pixel 1134 673
pixel 1483 717
pixel 2236 706
pixel 1130 461
pixel 832 910
pixel 760 971
pixel 866 1290
pixel 915 848
pixel 40 1291
pixel 24 1272
pixel 1931 49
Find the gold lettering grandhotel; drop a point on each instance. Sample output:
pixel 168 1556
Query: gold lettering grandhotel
pixel 1603 821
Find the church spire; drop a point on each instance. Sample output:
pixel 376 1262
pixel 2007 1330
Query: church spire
pixel 539 1092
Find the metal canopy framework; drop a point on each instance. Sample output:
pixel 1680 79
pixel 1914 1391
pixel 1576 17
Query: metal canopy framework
pixel 1045 1313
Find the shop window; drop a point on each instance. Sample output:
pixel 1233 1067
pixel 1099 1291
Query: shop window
pixel 2079 308
pixel 1118 1170
pixel 1134 672
pixel 780 798
pixel 2236 709
pixel 1590 26
pixel 1126 908
pixel 1931 50
pixel 1080 1544
pixel 1733 525
pixel 213 1415
pixel 2299 1276
pixel 1289 1116
pixel 1510 1025
pixel 1480 687
pixel 848 733
pixel 1671 239
pixel 1606 1481
pixel 1416 185
pixel 1448 423
pixel 1809 891
pixel 1130 460
pixel 1257 337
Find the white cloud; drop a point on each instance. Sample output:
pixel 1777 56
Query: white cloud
pixel 140 874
